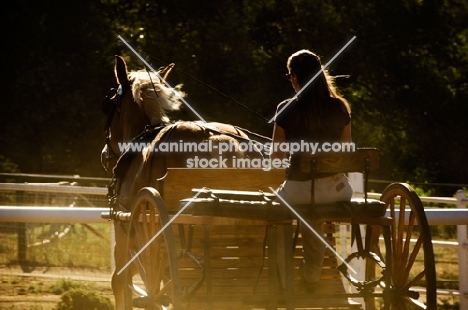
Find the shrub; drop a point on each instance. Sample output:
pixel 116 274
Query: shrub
pixel 78 299
pixel 64 285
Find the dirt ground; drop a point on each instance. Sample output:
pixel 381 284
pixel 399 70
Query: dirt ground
pixel 39 290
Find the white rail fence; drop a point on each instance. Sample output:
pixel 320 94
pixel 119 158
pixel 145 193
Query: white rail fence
pixel 67 214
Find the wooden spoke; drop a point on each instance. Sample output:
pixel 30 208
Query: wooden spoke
pixel 413 265
pixel 156 287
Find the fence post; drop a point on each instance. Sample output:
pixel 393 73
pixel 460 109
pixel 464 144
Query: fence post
pixel 462 236
pixel 22 238
pixel 112 243
pixel 357 182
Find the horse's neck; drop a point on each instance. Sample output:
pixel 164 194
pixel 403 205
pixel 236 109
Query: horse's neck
pixel 133 123
pixel 132 130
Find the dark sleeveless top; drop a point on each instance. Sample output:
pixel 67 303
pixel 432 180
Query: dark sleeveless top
pixel 294 119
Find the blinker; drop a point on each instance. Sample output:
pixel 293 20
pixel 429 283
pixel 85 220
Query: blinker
pixel 108 104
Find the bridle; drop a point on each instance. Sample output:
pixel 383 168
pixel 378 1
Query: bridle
pixel 110 105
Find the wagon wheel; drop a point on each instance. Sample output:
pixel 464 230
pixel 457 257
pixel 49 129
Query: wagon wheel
pixel 156 261
pixel 409 256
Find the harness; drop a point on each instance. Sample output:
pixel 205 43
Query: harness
pixel 123 163
pixel 110 105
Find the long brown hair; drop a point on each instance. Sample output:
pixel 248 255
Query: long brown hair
pixel 305 65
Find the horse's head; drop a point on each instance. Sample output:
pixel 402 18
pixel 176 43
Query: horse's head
pixel 142 98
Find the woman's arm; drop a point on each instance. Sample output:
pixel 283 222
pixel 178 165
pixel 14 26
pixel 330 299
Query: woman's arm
pixel 346 135
pixel 279 136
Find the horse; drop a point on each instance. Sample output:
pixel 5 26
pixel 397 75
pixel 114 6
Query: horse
pixel 138 111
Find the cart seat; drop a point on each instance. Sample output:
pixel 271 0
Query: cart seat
pixel 357 207
pixel 260 205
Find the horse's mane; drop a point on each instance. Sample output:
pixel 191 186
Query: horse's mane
pixel 153 96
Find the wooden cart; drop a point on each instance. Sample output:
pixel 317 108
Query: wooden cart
pixel 218 239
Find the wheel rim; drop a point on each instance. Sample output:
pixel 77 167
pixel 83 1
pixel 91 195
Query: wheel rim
pixel 410 244
pixel 156 264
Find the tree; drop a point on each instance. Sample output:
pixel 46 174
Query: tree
pixel 56 71
pixel 407 73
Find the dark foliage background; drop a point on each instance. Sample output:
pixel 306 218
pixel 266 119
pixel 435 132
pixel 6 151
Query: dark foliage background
pixel 407 73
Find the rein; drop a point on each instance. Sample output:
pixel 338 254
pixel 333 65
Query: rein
pixel 209 86
pixel 252 133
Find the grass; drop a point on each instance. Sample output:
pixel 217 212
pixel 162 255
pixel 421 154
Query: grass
pixel 49 293
pixel 80 247
pixel 84 248
pixel 446 267
pixel 64 285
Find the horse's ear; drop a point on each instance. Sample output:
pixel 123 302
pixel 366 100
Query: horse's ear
pixel 164 72
pixel 121 71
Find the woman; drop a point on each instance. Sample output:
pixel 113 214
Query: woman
pixel 318 114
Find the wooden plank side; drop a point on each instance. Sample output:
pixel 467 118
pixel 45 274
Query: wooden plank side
pixel 337 162
pixel 178 182
pixel 237 255
pixel 239 271
pixel 228 302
